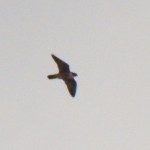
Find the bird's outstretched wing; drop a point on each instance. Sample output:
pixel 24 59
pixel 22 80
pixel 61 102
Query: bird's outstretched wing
pixel 71 85
pixel 63 66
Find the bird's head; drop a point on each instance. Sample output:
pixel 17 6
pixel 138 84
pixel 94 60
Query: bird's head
pixel 74 74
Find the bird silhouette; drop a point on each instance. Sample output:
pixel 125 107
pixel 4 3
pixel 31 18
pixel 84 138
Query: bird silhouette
pixel 65 74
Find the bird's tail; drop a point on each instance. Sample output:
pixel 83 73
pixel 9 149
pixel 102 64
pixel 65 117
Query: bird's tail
pixel 52 76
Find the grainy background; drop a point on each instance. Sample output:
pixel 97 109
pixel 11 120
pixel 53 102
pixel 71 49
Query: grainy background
pixel 107 43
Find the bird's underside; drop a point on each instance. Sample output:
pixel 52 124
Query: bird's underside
pixel 65 75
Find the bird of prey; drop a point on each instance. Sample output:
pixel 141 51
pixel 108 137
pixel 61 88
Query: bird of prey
pixel 65 74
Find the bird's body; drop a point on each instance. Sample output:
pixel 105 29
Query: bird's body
pixel 65 74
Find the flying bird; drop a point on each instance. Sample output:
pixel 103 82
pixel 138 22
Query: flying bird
pixel 65 74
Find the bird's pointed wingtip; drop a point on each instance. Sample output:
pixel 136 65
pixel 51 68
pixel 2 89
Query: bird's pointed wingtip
pixel 72 94
pixel 53 55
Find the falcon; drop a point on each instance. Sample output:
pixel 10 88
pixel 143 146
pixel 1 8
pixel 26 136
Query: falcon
pixel 65 74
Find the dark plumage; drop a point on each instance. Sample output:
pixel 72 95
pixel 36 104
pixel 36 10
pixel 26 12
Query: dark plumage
pixel 65 75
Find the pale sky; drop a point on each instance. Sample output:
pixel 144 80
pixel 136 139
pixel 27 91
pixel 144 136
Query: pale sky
pixel 107 43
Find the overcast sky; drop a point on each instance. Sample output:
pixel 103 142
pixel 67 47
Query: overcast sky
pixel 107 43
